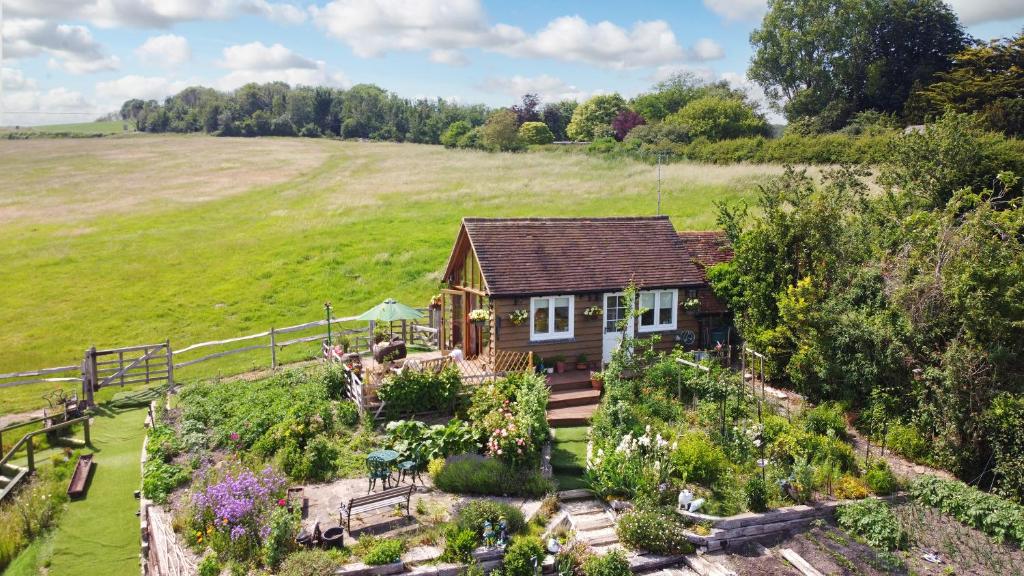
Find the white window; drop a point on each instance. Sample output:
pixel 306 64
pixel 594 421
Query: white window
pixel 657 310
pixel 551 317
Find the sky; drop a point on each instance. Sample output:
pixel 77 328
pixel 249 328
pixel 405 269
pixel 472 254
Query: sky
pixel 74 60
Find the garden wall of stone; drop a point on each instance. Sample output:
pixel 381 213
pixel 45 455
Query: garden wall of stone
pixel 734 530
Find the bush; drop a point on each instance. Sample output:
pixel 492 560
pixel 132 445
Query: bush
pixel 209 566
pixel 384 551
pixel 1001 519
pixel 653 531
pixel 612 564
pixel 489 477
pixel 850 487
pixel 312 563
pixel 413 391
pixel 880 479
pixel 455 131
pixel 825 417
pixel 33 510
pixel 459 544
pixel 907 442
pixel 535 133
pixel 473 515
pixel 523 556
pixel 415 440
pixel 873 521
pixel 757 494
pixel 347 413
pixel 159 479
pixel 719 118
pixel 699 459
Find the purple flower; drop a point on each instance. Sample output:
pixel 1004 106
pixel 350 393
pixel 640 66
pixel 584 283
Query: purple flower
pixel 237 532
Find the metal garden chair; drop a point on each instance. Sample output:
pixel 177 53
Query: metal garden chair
pixel 379 469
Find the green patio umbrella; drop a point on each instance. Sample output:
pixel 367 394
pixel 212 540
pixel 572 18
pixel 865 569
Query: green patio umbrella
pixel 390 310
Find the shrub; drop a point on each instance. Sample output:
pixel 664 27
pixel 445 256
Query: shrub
pixel 653 531
pixel 384 551
pixel 459 544
pixel 1001 519
pixel 523 556
pixel 825 417
pixel 907 442
pixel 873 521
pixel 535 133
pixel 880 479
pixel 489 477
pixel 32 510
pixel 280 538
pixel 612 564
pixel 159 479
pixel 698 459
pixel 412 438
pixel 719 118
pixel 347 413
pixel 849 487
pixel 757 494
pixel 500 133
pixel 455 131
pixel 473 515
pixel 312 563
pixel 413 391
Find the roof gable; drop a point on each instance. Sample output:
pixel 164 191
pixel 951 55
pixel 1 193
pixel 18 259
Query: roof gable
pixel 530 256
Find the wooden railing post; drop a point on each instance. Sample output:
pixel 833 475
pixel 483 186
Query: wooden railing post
pixel 170 365
pixel 85 432
pixel 273 350
pixel 31 454
pixel 93 375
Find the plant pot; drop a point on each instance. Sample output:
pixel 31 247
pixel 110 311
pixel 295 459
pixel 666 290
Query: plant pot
pixel 560 367
pixel 596 383
pixel 582 366
pixel 549 370
pixel 333 537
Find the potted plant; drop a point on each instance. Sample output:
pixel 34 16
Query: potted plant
pixel 559 363
pixel 436 300
pixel 479 316
pixel 517 317
pixel 692 305
pixel 581 362
pixel 597 380
pixel 593 312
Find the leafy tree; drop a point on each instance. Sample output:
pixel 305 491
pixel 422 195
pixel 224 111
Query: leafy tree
pixel 557 116
pixel 455 131
pixel 131 109
pixel 527 110
pixel 593 118
pixel 987 79
pixel 718 118
pixel 669 96
pixel 501 131
pixel 850 55
pixel 625 121
pixel 536 133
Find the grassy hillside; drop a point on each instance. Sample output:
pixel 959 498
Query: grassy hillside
pixel 103 128
pixel 114 242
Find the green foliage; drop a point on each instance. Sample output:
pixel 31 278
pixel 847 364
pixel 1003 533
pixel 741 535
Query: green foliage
pixel 849 487
pixel 473 514
pixel 873 521
pixel 654 531
pixel 535 133
pixel 718 118
pixel 412 391
pixel 384 551
pixel 501 132
pixel 697 458
pixel 906 441
pixel 416 441
pixel 523 556
pixel 613 563
pixel 159 479
pixel 313 562
pixel 825 418
pixel 33 509
pixel 593 119
pixel 209 566
pixel 454 132
pixel 489 477
pixel 757 494
pixel 1004 423
pixel 459 544
pixel 880 479
pixel 1001 519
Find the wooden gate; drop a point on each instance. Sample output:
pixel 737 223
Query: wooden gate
pixel 146 364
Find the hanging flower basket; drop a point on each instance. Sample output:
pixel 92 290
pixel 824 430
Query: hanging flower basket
pixel 692 305
pixel 594 312
pixel 517 317
pixel 479 316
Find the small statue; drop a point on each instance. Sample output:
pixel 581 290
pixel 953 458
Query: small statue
pixel 488 534
pixel 502 532
pixel 685 497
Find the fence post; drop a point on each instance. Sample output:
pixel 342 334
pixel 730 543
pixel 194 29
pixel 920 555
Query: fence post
pixel 31 454
pixel 85 432
pixel 273 350
pixel 170 365
pixel 93 375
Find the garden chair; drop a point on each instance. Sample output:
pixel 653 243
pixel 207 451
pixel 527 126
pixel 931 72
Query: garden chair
pixel 379 470
pixel 412 466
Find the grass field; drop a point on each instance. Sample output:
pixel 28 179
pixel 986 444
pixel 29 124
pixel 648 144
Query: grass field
pixel 104 128
pixel 119 241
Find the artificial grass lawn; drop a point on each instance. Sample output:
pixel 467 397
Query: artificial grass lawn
pixel 569 457
pixel 130 240
pixel 98 534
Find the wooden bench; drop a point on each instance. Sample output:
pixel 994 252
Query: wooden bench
pixel 80 478
pixel 386 499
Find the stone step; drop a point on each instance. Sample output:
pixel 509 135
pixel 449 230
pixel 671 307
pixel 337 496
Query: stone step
pixel 602 550
pixel 590 522
pixel 601 537
pixel 579 507
pixel 575 495
pixel 571 416
pixel 575 397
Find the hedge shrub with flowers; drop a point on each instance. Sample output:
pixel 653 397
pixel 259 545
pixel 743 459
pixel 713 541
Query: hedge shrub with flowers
pixel 241 514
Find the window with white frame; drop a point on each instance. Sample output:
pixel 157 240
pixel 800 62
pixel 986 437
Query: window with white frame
pixel 657 310
pixel 551 317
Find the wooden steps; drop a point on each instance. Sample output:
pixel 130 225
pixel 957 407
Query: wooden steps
pixel 573 400
pixel 580 397
pixel 571 416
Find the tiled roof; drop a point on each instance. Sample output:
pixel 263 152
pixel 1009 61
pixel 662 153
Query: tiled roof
pixel 706 248
pixel 532 256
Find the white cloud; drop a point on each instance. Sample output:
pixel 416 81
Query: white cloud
pixel 24 104
pixel 13 80
pixel 738 9
pixel 980 11
pixel 151 13
pixel 446 27
pixel 707 49
pixel 258 56
pixel 256 62
pixel 166 50
pixel 549 88
pixel 71 48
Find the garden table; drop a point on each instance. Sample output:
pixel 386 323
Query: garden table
pixel 380 463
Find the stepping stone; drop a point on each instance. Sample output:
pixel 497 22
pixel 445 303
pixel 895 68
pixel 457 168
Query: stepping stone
pixel 591 522
pixel 598 537
pixel 583 507
pixel 577 494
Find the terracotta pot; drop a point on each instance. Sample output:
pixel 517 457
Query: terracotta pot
pixel 560 367
pixel 582 366
pixel 596 383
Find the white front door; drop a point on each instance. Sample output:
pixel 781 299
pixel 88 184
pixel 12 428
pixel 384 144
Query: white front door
pixel 615 311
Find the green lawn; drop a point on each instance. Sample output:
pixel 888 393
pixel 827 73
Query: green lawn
pixel 98 534
pixel 569 457
pixel 105 127
pixel 121 241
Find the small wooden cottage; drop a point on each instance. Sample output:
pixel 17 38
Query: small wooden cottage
pixel 554 286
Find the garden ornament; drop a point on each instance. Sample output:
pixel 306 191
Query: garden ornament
pixel 502 531
pixel 553 546
pixel 685 497
pixel 488 534
pixel 695 505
